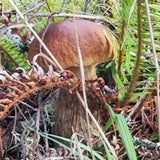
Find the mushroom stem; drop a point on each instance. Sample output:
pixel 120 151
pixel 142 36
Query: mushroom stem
pixel 69 115
pixel 90 72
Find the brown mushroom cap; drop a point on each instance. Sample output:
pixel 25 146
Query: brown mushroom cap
pixel 61 40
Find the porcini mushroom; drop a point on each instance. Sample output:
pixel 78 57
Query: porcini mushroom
pixel 95 48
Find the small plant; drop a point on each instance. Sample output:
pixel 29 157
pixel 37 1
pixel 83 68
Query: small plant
pixel 13 52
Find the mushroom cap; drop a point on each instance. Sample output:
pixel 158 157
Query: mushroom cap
pixel 60 38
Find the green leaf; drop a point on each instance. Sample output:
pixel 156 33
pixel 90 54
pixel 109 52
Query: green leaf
pixel 119 83
pixel 12 51
pixel 108 124
pixel 52 138
pixel 126 136
pixel 124 132
pixel 109 157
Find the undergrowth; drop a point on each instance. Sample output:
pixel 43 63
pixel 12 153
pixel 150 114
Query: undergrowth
pixel 132 72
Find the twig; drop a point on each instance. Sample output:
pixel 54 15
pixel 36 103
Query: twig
pixel 45 130
pixel 135 108
pixel 20 111
pixel 2 131
pixel 75 144
pixel 29 9
pixel 37 9
pixel 22 142
pixel 115 6
pixel 141 102
pixel 27 105
pixel 156 62
pixel 23 138
pixel 36 133
pixel 91 17
pixel 86 5
pixel 114 155
pixel 81 65
pixel 62 5
pixel 33 6
pixel 44 56
pixel 45 30
pixel 37 124
pixel 14 124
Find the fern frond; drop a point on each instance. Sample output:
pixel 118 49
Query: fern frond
pixel 129 43
pixel 12 51
pixel 136 70
pixel 14 88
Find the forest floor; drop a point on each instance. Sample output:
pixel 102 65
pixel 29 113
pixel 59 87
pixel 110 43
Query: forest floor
pixel 18 141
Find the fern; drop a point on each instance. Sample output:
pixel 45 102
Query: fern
pixel 13 52
pixel 128 38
